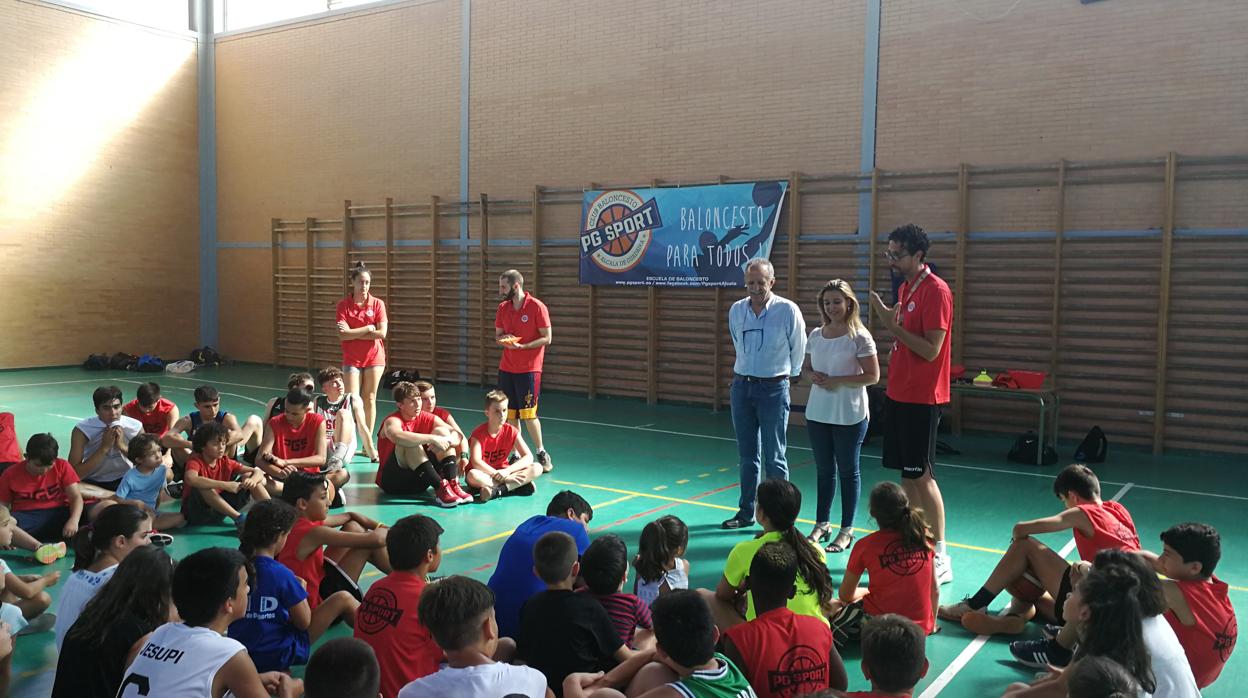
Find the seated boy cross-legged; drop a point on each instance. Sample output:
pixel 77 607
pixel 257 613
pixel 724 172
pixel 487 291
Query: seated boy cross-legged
pixel 459 611
pixel 563 632
pixel 683 665
pixel 783 654
pixel 295 441
pixel 208 409
pixel 417 452
pixel 489 472
pixel 1037 577
pixel 217 485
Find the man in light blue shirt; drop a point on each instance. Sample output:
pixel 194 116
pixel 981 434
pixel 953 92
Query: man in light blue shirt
pixel 769 335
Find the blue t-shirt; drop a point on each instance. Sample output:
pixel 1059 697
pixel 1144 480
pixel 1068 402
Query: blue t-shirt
pixel 145 488
pixel 273 643
pixel 513 580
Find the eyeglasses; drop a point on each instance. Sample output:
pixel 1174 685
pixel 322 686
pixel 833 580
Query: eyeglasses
pixel 895 256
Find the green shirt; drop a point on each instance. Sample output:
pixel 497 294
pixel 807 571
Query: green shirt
pixel 724 681
pixel 804 602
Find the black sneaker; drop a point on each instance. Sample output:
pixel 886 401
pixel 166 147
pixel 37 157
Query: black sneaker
pixel 1040 654
pixel 734 523
pixel 175 489
pixel 1050 631
pixel 543 459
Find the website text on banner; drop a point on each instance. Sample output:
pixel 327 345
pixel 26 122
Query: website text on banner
pixel 677 236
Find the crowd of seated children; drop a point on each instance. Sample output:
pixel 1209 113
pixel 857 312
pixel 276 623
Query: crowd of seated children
pixel 388 619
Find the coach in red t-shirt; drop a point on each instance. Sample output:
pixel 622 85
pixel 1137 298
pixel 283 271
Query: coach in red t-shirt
pixel 522 329
pixel 362 326
pixel 918 377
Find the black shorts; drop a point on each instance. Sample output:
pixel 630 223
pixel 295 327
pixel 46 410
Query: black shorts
pixel 1063 591
pixel 335 580
pixel 522 390
pixel 197 512
pixel 910 437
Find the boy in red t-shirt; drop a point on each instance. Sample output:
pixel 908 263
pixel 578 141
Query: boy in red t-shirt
pixel 329 551
pixel 157 414
pixel 1200 609
pixel 1037 577
pixel 295 440
pixel 417 452
pixel 894 657
pixel 43 494
pixel 489 472
pixel 217 485
pixel 782 653
pixel 429 403
pixel 387 619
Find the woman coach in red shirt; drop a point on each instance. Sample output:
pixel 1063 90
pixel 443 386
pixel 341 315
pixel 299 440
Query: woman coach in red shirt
pixel 362 326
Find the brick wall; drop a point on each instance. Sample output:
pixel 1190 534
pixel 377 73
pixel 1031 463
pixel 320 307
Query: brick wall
pixel 98 188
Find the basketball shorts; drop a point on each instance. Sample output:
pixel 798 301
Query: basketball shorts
pixel 910 438
pixel 522 390
pixel 197 512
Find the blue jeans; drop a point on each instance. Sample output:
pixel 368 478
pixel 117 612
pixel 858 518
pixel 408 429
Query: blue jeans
pixel 760 417
pixel 837 447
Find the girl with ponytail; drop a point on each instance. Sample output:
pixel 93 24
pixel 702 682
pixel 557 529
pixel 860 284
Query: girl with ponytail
pixel 279 637
pixel 778 504
pixel 98 549
pixel 899 558
pixel 660 567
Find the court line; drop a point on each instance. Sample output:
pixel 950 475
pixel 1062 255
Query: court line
pixel 966 655
pixel 694 502
pixel 37 385
pixel 657 509
pixel 192 390
pixel 942 464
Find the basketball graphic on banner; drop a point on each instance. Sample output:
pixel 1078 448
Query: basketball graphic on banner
pixel 626 239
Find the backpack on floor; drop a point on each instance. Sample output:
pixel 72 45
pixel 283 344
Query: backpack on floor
pixel 393 378
pixel 1094 447
pixel 149 363
pixel 1024 450
pixel 122 361
pixel 96 362
pixel 206 356
pixel 180 366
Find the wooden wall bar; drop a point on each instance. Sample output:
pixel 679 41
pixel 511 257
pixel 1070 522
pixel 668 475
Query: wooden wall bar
pixel 1128 317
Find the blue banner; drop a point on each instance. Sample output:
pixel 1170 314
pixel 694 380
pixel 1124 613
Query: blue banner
pixel 677 236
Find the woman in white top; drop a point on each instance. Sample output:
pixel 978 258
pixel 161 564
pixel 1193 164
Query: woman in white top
pixel 840 363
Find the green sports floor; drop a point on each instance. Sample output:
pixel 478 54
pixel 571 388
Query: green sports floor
pixel 635 462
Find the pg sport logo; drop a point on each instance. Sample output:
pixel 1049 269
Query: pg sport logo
pixel 618 229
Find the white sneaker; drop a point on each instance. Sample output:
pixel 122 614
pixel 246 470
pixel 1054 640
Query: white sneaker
pixel 944 569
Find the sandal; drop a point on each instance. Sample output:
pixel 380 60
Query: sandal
pixel 822 531
pixel 841 543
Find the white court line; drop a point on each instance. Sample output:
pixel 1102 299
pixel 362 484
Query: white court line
pixel 191 390
pixel 36 385
pixel 942 464
pixel 64 416
pixel 978 643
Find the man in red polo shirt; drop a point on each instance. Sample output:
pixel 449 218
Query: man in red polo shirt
pixel 918 377
pixel 522 329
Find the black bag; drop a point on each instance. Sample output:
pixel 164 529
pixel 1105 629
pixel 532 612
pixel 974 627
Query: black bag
pixel 393 378
pixel 122 361
pixel 206 356
pixel 1024 450
pixel 96 362
pixel 1094 447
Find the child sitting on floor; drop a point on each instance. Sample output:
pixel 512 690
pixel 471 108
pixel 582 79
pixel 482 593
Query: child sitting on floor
pixel 217 485
pixel 490 473
pixel 43 494
pixel 459 611
pixel 604 567
pixel 280 625
pixel 142 485
pixel 660 567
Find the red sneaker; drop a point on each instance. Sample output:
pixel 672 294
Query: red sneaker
pixel 445 497
pixel 458 491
